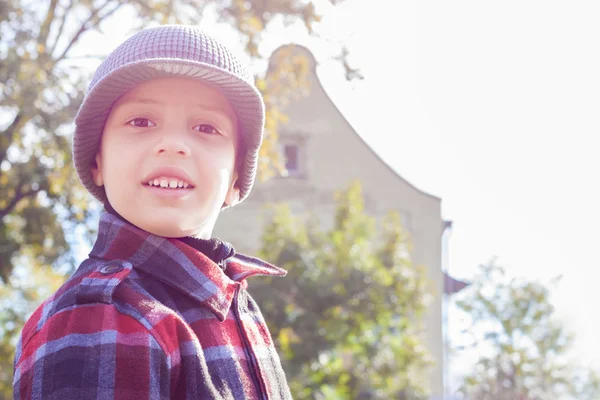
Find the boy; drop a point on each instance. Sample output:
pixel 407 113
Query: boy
pixel 167 136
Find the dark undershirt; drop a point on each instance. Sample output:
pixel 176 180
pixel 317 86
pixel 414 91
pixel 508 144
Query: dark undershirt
pixel 215 249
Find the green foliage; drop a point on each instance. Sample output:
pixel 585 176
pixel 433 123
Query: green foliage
pixel 27 288
pixel 347 317
pixel 526 348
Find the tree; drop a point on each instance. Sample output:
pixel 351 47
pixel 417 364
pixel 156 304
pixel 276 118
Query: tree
pixel 523 348
pixel 347 317
pixel 43 207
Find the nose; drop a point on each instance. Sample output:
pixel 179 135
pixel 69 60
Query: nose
pixel 172 144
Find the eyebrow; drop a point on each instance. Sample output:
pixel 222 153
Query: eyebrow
pixel 142 100
pixel 205 107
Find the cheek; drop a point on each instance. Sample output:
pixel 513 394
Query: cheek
pixel 118 164
pixel 218 167
pixel 219 157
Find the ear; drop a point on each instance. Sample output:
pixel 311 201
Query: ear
pixel 233 194
pixel 96 171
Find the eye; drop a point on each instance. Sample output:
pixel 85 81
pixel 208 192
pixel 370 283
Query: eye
pixel 141 122
pixel 207 128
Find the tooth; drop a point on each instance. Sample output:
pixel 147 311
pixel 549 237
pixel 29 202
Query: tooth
pixel 185 185
pixel 156 182
pixel 164 183
pixel 149 183
pixel 180 184
pixel 173 184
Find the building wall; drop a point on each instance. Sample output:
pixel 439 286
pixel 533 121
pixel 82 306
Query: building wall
pixel 332 155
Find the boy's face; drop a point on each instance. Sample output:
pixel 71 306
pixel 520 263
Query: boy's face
pixel 174 132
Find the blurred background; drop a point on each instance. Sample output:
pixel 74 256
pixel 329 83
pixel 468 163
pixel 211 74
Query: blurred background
pixel 429 178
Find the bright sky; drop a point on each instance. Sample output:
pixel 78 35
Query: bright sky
pixel 492 106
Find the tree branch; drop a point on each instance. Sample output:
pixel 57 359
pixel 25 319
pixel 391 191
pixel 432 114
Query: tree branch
pixel 108 14
pixel 84 27
pixel 87 57
pixel 62 26
pixel 8 135
pixel 142 4
pixel 45 28
pixel 18 197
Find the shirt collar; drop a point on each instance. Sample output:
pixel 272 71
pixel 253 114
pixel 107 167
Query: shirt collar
pixel 178 264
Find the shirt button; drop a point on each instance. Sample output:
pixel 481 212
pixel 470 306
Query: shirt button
pixel 111 269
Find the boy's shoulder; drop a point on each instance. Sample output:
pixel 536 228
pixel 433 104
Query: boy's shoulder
pixel 97 314
pixel 94 283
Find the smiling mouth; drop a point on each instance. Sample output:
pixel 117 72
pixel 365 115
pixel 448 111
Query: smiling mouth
pixel 168 183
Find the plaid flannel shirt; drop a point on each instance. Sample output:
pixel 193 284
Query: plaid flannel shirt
pixel 145 317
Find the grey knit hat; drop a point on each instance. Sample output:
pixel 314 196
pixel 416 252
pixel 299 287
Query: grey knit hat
pixel 164 51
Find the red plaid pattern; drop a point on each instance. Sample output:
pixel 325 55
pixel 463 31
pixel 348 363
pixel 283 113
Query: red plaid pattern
pixel 146 317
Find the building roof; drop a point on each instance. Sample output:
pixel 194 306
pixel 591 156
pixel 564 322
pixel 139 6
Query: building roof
pixel 313 65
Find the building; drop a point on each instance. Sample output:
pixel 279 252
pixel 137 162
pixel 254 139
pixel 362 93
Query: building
pixel 323 154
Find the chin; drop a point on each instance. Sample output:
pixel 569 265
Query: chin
pixel 175 228
pixel 168 231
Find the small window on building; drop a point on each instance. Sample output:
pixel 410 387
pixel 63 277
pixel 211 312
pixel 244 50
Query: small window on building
pixel 290 152
pixel 292 149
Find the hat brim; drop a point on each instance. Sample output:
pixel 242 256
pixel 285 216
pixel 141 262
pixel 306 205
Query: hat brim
pixel 93 113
